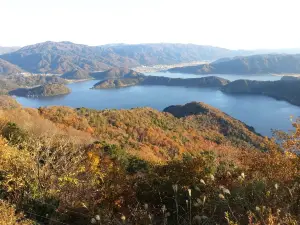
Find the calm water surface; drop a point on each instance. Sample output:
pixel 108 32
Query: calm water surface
pixel 230 77
pixel 261 112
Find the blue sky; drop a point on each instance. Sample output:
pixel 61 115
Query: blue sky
pixel 235 24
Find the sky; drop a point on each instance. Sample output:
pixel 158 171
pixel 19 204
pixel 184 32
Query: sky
pixel 233 24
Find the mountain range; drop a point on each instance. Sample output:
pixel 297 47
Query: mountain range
pixel 61 57
pixel 80 60
pixel 255 64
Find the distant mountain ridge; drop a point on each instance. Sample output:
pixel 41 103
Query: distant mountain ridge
pixel 62 57
pixel 255 64
pixel 5 50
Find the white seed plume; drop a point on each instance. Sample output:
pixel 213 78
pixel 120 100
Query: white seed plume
pixel 97 217
pixel 221 196
pixel 221 187
pixel 226 191
pixel 123 218
pixel 190 192
pixel 163 208
pixel 146 206
pixel 175 188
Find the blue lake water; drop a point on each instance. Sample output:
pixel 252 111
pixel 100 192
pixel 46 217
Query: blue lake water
pixel 261 112
pixel 230 77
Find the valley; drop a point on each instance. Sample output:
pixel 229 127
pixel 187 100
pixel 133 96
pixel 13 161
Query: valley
pixel 139 112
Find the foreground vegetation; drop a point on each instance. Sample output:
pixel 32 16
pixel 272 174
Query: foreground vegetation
pixel 79 166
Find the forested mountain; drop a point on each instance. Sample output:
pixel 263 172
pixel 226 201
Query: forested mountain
pixel 142 166
pixel 164 53
pixel 6 68
pixel 61 57
pixel 77 74
pixel 256 64
pixel 285 89
pixel 45 90
pixel 210 81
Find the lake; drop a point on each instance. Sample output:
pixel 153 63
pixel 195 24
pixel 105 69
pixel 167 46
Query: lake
pixel 230 77
pixel 261 112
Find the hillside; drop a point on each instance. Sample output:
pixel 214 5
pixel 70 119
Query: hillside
pixel 118 83
pixel 6 86
pixel 164 53
pixel 62 57
pixel 116 73
pixel 7 68
pixel 282 90
pixel 257 64
pixel 35 80
pixel 58 58
pixel 207 118
pixel 142 166
pixel 77 74
pixel 12 82
pixel 210 81
pixel 46 90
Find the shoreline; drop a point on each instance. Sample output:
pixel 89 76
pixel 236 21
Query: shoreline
pixel 165 67
pixel 77 81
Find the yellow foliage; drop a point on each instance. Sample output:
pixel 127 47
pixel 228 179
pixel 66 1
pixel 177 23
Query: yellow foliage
pixel 8 216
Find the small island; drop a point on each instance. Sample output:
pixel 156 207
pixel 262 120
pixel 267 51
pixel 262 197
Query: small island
pixel 113 73
pixel 132 79
pixel 46 90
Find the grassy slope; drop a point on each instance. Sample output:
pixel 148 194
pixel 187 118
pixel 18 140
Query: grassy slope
pixel 72 164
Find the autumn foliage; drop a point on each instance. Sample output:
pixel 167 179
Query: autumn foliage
pixel 141 166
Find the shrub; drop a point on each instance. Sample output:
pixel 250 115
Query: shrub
pixel 8 215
